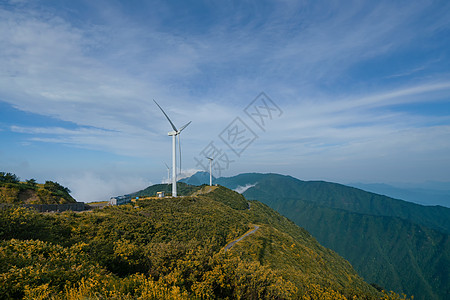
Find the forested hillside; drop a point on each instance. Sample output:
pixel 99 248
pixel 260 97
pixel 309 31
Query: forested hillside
pixel 390 252
pixel 395 244
pixel 170 248
pixel 392 243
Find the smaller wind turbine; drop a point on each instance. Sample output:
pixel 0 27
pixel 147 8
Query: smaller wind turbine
pixel 210 170
pixel 176 132
pixel 168 173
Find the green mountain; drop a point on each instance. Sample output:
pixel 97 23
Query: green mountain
pixel 183 189
pixel 13 191
pixel 395 244
pixel 198 178
pixel 350 199
pixel 391 252
pixel 170 248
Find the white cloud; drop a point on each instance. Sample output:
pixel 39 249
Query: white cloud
pixel 241 189
pixel 89 186
pixel 137 143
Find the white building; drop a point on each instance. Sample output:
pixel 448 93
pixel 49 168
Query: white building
pixel 119 200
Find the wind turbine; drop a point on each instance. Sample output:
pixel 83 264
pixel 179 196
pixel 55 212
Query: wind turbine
pixel 210 170
pixel 168 173
pixel 176 132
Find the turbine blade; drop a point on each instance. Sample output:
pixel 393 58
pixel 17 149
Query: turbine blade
pixel 183 127
pixel 167 166
pixel 173 126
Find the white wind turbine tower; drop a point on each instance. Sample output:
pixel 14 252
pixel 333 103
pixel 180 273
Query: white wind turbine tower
pixel 174 134
pixel 168 173
pixel 210 170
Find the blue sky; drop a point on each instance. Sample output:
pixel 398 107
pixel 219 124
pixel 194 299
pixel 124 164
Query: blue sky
pixel 362 88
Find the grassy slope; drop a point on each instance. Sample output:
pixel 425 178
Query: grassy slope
pixel 295 254
pixel 178 244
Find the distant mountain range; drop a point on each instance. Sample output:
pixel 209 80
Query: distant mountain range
pixel 433 195
pixel 428 193
pixel 395 244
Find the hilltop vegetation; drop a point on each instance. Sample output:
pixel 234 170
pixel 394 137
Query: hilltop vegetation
pixel 394 244
pixel 170 248
pixel 183 189
pixel 13 191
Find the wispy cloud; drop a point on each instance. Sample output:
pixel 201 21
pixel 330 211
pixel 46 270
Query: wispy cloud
pixel 241 189
pixel 340 72
pixel 123 143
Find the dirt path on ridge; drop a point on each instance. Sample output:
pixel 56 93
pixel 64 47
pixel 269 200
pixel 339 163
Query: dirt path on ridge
pixel 231 244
